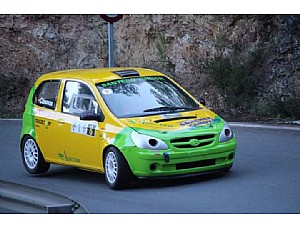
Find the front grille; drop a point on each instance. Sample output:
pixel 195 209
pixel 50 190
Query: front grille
pixel 193 142
pixel 189 165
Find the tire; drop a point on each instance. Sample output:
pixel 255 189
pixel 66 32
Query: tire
pixel 117 172
pixel 32 157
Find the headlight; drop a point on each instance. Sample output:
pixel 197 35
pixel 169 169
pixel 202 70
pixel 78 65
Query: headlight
pixel 226 134
pixel 148 142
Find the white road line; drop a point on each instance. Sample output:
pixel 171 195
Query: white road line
pixel 264 126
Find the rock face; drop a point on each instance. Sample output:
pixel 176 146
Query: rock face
pixel 178 45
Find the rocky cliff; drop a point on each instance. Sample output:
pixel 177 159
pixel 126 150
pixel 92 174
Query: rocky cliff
pixel 241 64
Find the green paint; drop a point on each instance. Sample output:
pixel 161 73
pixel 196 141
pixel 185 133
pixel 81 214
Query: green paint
pixel 61 156
pixel 28 124
pixel 214 127
pixel 123 138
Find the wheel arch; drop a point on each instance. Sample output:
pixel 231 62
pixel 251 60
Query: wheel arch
pixel 22 140
pixel 41 165
pixel 27 131
pixel 31 136
pixel 104 153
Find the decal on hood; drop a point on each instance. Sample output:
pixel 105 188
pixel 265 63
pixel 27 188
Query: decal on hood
pixel 196 122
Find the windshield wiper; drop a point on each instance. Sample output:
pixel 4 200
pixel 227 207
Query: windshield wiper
pixel 166 108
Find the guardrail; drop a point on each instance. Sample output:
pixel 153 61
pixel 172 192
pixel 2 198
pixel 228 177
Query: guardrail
pixel 23 199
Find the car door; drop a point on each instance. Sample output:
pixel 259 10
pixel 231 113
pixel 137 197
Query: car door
pixel 45 103
pixel 78 139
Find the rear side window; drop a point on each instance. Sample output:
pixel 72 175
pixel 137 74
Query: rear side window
pixel 46 94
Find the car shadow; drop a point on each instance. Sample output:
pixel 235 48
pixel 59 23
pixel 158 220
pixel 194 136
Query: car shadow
pixel 72 174
pixel 176 181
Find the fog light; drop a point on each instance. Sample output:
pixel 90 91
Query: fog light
pixel 152 167
pixel 230 156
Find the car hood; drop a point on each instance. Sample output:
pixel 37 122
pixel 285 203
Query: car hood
pixel 173 122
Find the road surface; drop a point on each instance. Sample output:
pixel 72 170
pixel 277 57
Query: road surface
pixel 264 179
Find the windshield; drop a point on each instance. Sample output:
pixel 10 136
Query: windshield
pixel 144 96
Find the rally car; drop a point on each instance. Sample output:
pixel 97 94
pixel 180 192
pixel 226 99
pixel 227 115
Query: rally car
pixel 123 122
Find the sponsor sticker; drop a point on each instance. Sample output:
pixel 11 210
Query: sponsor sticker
pixel 91 130
pixel 107 91
pixel 196 122
pixel 46 102
pixel 39 122
pixel 64 157
pixel 83 129
pixel 129 80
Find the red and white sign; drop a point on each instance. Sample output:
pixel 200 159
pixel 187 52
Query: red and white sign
pixel 111 18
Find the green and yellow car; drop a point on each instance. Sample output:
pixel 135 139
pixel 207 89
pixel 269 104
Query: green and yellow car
pixel 123 122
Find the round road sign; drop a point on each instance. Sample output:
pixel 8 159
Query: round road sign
pixel 111 18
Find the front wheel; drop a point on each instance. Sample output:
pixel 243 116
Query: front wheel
pixel 117 172
pixel 32 157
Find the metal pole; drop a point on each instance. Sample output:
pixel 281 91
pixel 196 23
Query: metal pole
pixel 110 45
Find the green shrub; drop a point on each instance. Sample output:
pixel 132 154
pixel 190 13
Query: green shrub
pixel 276 106
pixel 233 76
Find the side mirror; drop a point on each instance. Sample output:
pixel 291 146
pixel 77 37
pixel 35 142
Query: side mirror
pixel 201 101
pixel 90 115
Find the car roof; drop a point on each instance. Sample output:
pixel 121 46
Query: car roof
pixel 96 75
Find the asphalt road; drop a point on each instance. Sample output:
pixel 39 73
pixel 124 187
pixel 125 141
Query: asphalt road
pixel 264 179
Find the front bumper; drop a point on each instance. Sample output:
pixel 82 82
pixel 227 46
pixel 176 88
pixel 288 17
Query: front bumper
pixel 145 163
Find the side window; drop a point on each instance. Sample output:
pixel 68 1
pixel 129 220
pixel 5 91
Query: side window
pixel 78 98
pixel 46 94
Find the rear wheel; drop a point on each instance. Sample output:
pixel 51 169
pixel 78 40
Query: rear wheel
pixel 117 172
pixel 32 157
